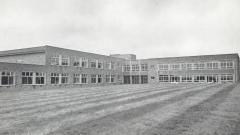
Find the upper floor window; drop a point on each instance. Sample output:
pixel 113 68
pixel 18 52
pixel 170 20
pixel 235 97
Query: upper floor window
pixel 100 65
pixel 144 67
pixel 84 62
pixel 184 66
pixel 55 60
pixel 59 60
pixel 135 67
pixel 197 66
pixel 6 78
pixel 212 65
pixel 175 66
pixel 163 66
pixel 227 64
pixel 93 64
pixel 77 62
pixel 65 61
pixel 126 67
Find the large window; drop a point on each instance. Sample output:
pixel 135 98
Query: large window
pixel 84 62
pixel 175 66
pixel 54 60
pixel 76 78
pixel 59 60
pixel 126 68
pixel 6 78
pixel 163 78
pixel 40 78
pixel 144 67
pixel 64 78
pixel 189 66
pixel 135 67
pixel 199 78
pixel 84 78
pixel 93 78
pixel 55 78
pixel 198 66
pixel 226 77
pixel 100 65
pixel 65 61
pixel 212 65
pixel 227 64
pixel 163 67
pixel 93 64
pixel 77 62
pixel 187 78
pixel 27 77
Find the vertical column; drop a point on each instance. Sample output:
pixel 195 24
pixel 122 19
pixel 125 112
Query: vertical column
pixel 60 79
pixel 34 78
pixel 96 63
pixel 139 72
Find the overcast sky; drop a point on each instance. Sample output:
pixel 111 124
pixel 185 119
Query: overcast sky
pixel 147 28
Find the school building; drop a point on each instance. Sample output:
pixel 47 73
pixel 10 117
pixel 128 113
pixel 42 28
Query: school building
pixel 52 67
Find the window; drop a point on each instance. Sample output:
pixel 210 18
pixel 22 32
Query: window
pixel 163 78
pixel 163 66
pixel 93 79
pixel 126 68
pixel 54 60
pixel 108 78
pixel 77 62
pixel 186 78
pixel 184 66
pixel 175 66
pixel 76 78
pixel 99 78
pixel 212 65
pixel 93 64
pixel 199 78
pixel 227 64
pixel 144 67
pixel 198 66
pixel 65 61
pixel 100 65
pixel 64 78
pixel 84 62
pixel 54 78
pixel 112 78
pixel 189 66
pixel 84 78
pixel 227 78
pixel 27 77
pixel 7 78
pixel 135 67
pixel 40 78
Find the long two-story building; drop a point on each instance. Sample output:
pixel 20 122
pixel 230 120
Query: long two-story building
pixel 52 67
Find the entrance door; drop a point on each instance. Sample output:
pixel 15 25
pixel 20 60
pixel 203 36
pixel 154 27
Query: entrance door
pixel 174 78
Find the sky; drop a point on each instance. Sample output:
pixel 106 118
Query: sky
pixel 147 28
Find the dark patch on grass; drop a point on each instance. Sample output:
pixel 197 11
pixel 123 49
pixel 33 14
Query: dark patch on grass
pixel 179 124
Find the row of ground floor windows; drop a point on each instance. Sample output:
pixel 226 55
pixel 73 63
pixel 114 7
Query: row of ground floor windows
pixel 135 79
pixel 196 78
pixel 36 78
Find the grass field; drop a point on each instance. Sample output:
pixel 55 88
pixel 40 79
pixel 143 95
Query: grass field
pixel 149 109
